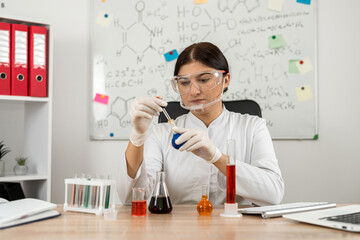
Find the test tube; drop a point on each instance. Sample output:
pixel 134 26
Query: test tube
pixel 97 193
pixel 230 172
pixel 108 188
pixel 77 193
pixel 94 194
pixel 73 193
pixel 87 193
pixel 82 192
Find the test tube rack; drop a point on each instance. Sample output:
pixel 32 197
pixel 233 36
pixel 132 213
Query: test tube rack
pixel 89 195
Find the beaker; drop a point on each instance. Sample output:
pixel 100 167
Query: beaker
pixel 138 202
pixel 160 199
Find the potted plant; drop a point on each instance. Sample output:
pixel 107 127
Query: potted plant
pixel 3 151
pixel 21 168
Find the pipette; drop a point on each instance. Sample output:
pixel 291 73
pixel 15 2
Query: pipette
pixel 175 135
pixel 166 114
pixel 168 118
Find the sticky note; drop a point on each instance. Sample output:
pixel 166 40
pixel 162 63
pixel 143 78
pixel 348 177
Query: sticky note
pixel 276 41
pixel 169 56
pixel 304 93
pixel 200 1
pixel 304 65
pixel 304 1
pixel 276 5
pixel 103 19
pixel 101 98
pixel 292 66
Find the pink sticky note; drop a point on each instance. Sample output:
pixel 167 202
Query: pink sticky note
pixel 101 98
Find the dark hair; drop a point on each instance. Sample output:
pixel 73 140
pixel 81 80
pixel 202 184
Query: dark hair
pixel 204 52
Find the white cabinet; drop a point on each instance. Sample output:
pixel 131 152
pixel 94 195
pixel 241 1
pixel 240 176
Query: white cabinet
pixel 25 127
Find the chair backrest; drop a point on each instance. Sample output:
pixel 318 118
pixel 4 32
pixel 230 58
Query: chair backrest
pixel 240 106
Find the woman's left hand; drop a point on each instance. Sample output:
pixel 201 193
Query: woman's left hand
pixel 197 142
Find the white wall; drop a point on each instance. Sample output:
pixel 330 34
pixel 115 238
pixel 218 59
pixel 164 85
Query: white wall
pixel 322 170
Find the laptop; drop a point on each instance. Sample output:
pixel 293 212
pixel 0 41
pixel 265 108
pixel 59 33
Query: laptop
pixel 345 218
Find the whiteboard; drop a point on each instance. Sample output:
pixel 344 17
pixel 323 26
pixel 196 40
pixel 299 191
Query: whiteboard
pixel 271 52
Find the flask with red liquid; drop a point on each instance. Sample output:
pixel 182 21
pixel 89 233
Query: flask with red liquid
pixel 160 199
pixel 204 207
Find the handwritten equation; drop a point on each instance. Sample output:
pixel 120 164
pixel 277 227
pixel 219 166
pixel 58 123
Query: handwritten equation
pixel 130 39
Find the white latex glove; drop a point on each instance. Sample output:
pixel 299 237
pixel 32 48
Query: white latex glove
pixel 142 110
pixel 197 142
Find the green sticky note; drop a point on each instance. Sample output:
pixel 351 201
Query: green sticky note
pixel 316 137
pixel 292 66
pixel 276 41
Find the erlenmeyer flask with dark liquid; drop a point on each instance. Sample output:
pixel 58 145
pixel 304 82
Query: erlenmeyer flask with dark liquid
pixel 160 199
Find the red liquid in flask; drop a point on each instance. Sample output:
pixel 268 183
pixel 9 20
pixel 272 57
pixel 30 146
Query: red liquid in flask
pixel 138 208
pixel 160 204
pixel 230 182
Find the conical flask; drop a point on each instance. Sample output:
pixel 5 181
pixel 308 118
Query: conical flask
pixel 160 199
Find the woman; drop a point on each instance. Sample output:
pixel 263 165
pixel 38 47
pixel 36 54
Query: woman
pixel 201 76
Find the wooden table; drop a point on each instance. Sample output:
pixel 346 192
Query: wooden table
pixel 182 223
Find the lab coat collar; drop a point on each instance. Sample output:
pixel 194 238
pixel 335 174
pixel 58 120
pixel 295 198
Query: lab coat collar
pixel 197 123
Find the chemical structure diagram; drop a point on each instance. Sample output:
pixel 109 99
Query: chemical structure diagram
pixel 139 39
pixel 138 36
pixel 119 109
pixel 135 64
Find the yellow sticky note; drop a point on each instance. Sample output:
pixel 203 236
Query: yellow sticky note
pixel 304 93
pixel 304 65
pixel 200 1
pixel 276 5
pixel 103 19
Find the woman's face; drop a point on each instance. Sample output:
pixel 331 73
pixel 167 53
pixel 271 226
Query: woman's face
pixel 198 88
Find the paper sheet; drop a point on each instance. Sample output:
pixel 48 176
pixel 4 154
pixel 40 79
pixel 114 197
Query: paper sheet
pixel 103 19
pixel 276 5
pixel 304 65
pixel 304 93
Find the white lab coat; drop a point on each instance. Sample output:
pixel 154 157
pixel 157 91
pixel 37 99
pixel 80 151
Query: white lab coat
pixel 258 177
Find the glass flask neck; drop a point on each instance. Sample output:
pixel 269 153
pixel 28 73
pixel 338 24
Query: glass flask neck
pixel 204 191
pixel 160 177
pixel 160 185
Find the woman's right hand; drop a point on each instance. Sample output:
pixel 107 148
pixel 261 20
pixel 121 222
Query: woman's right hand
pixel 142 110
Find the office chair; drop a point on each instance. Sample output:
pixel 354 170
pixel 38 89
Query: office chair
pixel 241 106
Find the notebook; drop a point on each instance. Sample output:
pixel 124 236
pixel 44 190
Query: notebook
pixel 25 210
pixel 285 208
pixel 345 218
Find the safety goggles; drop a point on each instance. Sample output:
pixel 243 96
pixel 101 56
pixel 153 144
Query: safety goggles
pixel 204 81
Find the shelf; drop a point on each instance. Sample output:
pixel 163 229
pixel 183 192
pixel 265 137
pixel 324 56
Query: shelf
pixel 17 178
pixel 23 98
pixel 26 128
